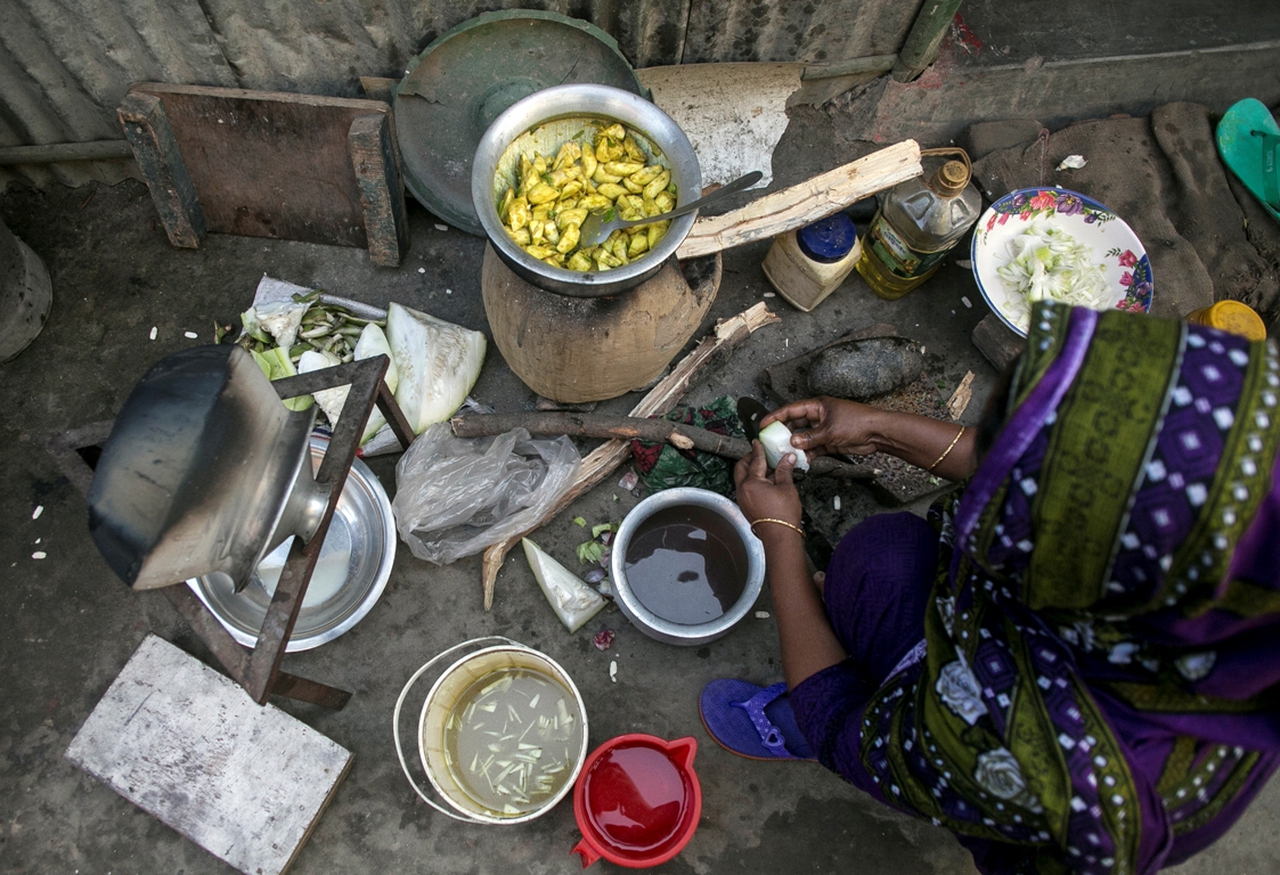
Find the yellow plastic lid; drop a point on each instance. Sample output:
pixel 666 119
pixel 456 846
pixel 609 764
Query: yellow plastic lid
pixel 1236 318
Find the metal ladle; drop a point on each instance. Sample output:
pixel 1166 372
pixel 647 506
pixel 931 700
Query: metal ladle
pixel 595 228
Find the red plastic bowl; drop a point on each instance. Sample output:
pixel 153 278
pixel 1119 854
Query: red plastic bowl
pixel 637 800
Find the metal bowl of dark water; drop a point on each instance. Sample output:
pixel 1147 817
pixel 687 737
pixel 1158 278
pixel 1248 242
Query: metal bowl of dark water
pixel 686 566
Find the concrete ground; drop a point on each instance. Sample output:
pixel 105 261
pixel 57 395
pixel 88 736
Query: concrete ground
pixel 68 625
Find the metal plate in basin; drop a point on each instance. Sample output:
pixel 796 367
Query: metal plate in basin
pixel 353 568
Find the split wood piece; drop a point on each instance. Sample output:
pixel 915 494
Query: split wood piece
pixel 960 398
pixel 679 435
pixel 727 335
pixel 269 164
pixel 802 204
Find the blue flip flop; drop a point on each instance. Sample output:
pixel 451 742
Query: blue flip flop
pixel 752 721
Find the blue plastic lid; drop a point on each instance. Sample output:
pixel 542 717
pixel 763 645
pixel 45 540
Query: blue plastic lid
pixel 828 239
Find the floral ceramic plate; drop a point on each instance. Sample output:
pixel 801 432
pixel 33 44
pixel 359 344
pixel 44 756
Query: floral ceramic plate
pixel 1114 247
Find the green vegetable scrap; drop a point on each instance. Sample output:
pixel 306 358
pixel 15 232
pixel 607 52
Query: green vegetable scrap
pixel 593 552
pixel 433 363
pixel 276 365
pixel 589 552
pixel 302 335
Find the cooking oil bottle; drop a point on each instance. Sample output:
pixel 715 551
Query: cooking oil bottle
pixel 918 223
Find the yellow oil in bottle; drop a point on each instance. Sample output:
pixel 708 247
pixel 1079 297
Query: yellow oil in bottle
pixel 918 223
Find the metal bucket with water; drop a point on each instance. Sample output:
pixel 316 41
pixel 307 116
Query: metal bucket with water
pixel 489 657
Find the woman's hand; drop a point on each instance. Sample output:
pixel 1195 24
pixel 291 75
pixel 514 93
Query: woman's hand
pixel 765 495
pixel 831 426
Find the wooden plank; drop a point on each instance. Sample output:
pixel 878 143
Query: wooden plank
pixel 806 202
pixel 270 164
pixel 247 783
pixel 373 157
pixel 155 148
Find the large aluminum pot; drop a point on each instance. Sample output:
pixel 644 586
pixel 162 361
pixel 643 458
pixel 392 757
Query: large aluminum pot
pixel 543 121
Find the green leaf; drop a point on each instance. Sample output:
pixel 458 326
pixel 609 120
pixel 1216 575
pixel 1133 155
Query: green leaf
pixel 589 552
pixel 580 521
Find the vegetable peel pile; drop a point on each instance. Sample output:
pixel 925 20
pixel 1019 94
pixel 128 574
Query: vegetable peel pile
pixel 433 363
pixel 544 211
pixel 1046 263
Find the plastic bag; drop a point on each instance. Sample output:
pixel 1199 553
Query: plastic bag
pixel 457 496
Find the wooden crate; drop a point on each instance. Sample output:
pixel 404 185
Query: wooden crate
pixel 269 164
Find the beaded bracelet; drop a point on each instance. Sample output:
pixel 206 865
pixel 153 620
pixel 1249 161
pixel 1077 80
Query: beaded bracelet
pixel 955 440
pixel 769 519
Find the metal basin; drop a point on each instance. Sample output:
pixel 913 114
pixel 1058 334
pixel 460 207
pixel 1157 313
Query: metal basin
pixel 646 585
pixel 541 123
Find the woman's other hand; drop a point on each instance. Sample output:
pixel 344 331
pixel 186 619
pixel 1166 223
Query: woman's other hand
pixel 807 640
pixel 831 426
pixel 763 494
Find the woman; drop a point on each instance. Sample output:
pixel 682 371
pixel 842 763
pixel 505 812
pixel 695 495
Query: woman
pixel 1073 665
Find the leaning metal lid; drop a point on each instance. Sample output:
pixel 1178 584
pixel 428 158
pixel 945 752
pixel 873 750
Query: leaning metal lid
pixel 466 78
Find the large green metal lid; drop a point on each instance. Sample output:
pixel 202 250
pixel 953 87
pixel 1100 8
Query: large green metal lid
pixel 466 78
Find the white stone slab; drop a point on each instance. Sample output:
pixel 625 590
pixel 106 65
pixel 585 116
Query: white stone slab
pixel 186 744
pixel 733 114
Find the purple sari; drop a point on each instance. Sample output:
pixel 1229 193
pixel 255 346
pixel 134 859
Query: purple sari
pixel 1095 685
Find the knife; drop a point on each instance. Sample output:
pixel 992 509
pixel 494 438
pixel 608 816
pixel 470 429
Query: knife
pixel 750 412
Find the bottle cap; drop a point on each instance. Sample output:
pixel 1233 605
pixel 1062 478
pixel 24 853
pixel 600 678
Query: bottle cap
pixel 951 178
pixel 828 239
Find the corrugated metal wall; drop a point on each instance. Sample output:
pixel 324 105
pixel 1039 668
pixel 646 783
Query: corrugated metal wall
pixel 66 64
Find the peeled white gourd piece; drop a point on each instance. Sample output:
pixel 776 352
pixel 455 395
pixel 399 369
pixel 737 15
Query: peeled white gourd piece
pixel 776 439
pixel 437 364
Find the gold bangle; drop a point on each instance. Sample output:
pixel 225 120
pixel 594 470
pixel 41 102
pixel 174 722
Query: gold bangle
pixel 769 519
pixel 955 440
